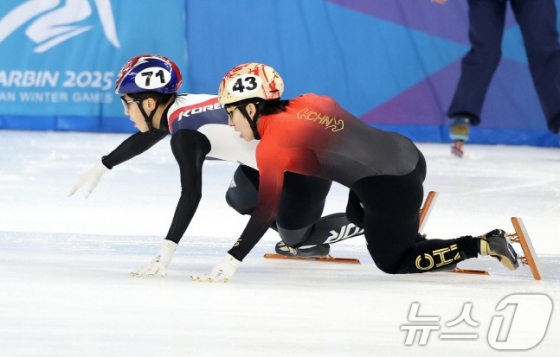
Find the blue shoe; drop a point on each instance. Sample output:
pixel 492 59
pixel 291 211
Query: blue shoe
pixel 459 129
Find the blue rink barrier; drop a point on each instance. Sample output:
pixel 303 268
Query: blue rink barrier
pixel 393 64
pixel 68 123
pixel 436 133
pixel 417 133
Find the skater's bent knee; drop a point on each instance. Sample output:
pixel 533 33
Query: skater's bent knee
pixel 385 266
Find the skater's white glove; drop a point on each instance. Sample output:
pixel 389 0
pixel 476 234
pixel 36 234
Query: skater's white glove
pixel 161 261
pixel 223 271
pixel 90 178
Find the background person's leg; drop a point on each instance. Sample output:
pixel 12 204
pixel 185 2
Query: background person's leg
pixel 537 20
pixel 486 28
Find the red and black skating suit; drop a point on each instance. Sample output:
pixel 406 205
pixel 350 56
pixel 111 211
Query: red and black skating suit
pixel 383 170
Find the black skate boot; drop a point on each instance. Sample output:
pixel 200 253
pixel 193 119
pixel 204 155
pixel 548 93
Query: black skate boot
pixel 307 251
pixel 495 244
pixel 282 249
pixel 319 250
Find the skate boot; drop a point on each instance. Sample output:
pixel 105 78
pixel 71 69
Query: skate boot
pixel 319 250
pixel 307 251
pixel 283 249
pixel 495 244
pixel 459 133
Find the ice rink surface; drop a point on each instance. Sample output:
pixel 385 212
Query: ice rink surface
pixel 65 288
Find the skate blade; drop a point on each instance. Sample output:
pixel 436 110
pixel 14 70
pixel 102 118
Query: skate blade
pixel 426 209
pixel 530 256
pixel 469 271
pixel 327 258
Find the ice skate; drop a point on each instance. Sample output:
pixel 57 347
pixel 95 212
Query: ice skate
pixel 496 245
pixel 307 251
pixel 318 252
pixel 459 132
pixel 285 250
pixel 457 148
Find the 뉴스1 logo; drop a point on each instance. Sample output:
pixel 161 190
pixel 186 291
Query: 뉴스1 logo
pixel 52 24
pixel 524 329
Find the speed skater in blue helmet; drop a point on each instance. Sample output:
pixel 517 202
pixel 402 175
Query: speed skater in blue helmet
pixel 150 81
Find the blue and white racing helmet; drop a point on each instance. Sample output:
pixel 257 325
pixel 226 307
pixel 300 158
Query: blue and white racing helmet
pixel 149 73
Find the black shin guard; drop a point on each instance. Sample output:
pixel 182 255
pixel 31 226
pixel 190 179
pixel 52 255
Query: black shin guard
pixel 434 255
pixel 333 228
pixel 329 229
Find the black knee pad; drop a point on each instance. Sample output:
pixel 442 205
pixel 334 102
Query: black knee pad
pixel 382 263
pixel 242 194
pixel 294 237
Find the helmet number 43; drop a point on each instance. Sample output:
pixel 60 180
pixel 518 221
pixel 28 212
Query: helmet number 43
pixel 152 78
pixel 245 84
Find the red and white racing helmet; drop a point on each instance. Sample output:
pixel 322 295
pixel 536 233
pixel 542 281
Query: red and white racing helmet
pixel 250 80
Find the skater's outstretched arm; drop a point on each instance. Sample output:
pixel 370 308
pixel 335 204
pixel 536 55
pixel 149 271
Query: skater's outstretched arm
pixel 190 148
pixel 135 145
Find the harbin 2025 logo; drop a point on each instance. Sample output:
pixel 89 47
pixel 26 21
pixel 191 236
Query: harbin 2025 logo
pixel 35 76
pixel 49 23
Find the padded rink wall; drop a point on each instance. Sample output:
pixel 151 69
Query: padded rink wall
pixel 393 63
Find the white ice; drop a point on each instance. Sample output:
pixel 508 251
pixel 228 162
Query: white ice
pixel 65 288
